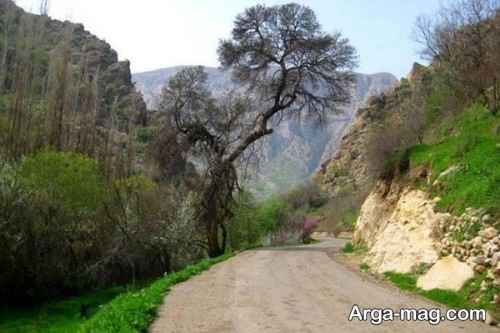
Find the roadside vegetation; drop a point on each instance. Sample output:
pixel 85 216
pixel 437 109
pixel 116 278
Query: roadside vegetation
pixel 119 309
pixel 469 297
pixel 283 218
pixel 135 311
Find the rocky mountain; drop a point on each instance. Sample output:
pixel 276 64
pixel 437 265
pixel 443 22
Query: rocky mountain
pixel 24 33
pixel 360 155
pixel 298 147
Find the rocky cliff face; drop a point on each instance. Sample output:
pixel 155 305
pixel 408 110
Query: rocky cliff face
pixel 297 148
pixel 89 54
pixel 386 122
pixel 404 232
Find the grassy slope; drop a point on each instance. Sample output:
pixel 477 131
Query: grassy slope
pixel 471 142
pixel 112 310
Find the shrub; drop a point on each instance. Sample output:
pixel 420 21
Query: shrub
pixel 49 205
pixel 272 213
pixel 145 134
pixel 67 179
pixel 310 225
pixel 307 196
pixel 342 212
pixel 348 248
pixel 244 229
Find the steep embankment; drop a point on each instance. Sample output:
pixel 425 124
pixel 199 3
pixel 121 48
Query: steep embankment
pixel 446 202
pixel 375 131
pixel 297 148
pixel 433 201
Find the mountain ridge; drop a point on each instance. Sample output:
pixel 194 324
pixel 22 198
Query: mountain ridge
pixel 296 149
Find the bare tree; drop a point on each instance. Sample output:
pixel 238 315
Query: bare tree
pixel 44 7
pixel 8 23
pixel 287 65
pixel 462 38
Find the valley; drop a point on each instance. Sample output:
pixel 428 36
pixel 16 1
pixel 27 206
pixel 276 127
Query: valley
pixel 277 189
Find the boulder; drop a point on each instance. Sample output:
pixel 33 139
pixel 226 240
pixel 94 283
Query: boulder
pixel 448 273
pixel 488 233
pixel 495 259
pixel 486 218
pixel 477 243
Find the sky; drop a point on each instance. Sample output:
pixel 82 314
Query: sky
pixel 154 34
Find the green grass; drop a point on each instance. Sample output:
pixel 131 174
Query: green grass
pixel 470 142
pixel 404 281
pixel 135 311
pixel 60 316
pixel 462 299
pixel 119 309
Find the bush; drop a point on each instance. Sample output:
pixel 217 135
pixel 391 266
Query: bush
pixel 244 229
pixel 307 196
pixel 67 179
pixel 64 230
pixel 49 204
pixel 342 212
pixel 348 248
pixel 271 214
pixel 310 225
pixel 145 134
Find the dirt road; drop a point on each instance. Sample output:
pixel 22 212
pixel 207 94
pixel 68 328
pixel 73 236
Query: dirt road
pixel 297 289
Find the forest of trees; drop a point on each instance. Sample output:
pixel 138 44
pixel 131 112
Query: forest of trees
pixel 78 208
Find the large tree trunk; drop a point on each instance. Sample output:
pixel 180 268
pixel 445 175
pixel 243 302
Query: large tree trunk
pixel 211 220
pixel 215 206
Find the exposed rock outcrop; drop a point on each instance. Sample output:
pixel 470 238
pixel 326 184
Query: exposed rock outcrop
pixel 448 274
pixel 89 54
pixel 400 229
pixel 403 233
pixel 351 167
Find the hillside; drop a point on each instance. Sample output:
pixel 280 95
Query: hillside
pixel 93 55
pixel 297 148
pixel 68 114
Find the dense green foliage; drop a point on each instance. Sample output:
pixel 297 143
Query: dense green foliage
pixel 48 202
pixel 134 311
pixel 64 229
pixel 244 229
pixel 72 180
pixel 471 143
pixel 280 219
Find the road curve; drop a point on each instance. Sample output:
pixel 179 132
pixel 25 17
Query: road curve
pixel 285 290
